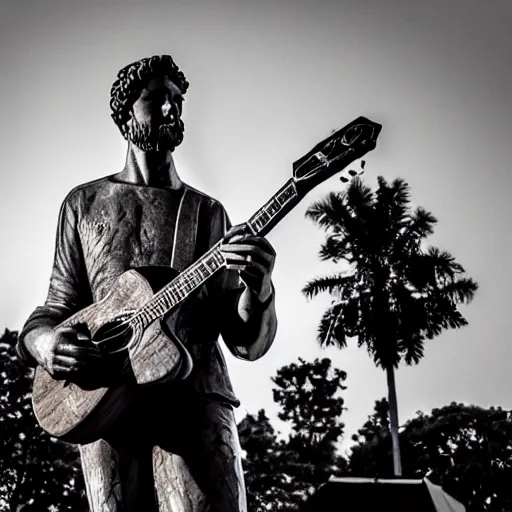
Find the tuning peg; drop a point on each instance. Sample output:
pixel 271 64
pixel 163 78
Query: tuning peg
pixel 343 179
pixel 363 163
pixel 352 172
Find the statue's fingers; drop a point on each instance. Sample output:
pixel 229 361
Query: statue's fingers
pixel 67 361
pixel 236 232
pixel 59 371
pixel 244 250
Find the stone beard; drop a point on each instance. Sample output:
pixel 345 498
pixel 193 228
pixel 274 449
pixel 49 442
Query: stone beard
pixel 163 137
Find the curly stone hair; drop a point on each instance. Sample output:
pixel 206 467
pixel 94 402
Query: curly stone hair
pixel 133 78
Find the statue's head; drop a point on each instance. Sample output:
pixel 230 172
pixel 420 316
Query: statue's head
pixel 146 103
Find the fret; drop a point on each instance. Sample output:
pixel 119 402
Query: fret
pixel 287 196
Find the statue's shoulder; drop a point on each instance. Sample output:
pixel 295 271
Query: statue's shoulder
pixel 86 190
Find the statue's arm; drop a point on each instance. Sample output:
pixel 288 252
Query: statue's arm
pixel 247 326
pixel 69 289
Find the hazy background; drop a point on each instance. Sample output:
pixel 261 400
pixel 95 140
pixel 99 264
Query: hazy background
pixel 270 79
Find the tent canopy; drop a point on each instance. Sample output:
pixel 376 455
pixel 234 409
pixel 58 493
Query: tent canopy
pixel 375 495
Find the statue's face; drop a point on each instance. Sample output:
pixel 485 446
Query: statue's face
pixel 156 116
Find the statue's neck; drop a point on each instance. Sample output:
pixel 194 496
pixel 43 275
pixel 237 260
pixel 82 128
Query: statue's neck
pixel 155 168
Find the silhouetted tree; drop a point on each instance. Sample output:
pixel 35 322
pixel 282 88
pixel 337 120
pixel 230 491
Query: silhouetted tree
pixel 37 472
pixel 309 397
pixel 464 448
pixel 371 455
pixel 393 293
pixel 264 460
pixel 281 474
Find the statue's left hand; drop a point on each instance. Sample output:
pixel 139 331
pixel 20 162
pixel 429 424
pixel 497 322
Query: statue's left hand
pixel 253 257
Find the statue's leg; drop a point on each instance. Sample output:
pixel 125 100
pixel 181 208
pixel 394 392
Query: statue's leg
pixel 100 466
pixel 215 458
pixel 207 474
pixel 119 473
pixel 175 486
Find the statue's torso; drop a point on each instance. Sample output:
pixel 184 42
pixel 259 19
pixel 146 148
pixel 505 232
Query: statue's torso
pixel 122 226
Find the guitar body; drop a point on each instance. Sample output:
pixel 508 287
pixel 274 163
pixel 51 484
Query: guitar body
pixel 77 415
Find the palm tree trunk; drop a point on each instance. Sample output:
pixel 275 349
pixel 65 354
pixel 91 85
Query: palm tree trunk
pixel 393 420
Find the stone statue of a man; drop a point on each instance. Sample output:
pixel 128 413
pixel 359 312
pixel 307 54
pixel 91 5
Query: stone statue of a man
pixel 176 449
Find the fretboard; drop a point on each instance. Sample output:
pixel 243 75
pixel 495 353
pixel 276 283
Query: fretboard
pixel 274 209
pixel 197 274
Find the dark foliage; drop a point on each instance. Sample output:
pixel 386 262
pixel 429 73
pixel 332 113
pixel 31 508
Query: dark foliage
pixel 464 448
pixel 37 472
pixel 280 474
pixel 265 457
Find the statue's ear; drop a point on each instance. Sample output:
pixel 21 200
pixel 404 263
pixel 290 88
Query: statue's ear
pixel 128 125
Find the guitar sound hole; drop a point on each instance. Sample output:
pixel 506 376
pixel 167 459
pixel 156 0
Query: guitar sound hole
pixel 113 337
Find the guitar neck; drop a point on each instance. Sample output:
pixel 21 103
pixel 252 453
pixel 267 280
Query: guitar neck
pixel 274 209
pixel 199 272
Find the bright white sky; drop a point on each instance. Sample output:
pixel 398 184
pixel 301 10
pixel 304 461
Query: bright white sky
pixel 270 79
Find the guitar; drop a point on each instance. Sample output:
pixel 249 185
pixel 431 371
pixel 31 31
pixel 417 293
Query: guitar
pixel 128 320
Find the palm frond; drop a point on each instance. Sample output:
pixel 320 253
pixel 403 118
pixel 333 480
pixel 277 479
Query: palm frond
pixel 401 192
pixel 423 222
pixel 336 248
pixel 343 212
pixel 433 268
pixel 333 284
pixel 331 331
pixel 443 263
pixel 461 290
pixel 442 314
pixel 454 320
pixel 392 205
pixel 329 212
pixel 394 197
pixel 418 226
pixel 359 198
pixel 412 348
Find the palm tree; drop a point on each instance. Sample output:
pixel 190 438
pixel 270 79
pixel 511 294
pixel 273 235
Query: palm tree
pixel 394 293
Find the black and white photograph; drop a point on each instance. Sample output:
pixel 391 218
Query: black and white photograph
pixel 255 256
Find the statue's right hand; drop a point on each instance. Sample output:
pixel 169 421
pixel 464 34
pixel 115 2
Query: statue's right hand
pixel 67 354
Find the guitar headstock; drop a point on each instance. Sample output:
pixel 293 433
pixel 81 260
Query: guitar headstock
pixel 334 154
